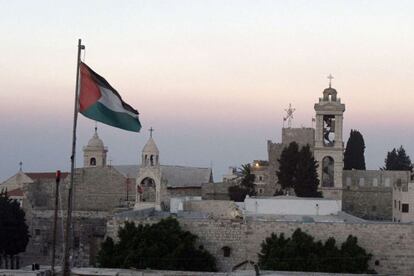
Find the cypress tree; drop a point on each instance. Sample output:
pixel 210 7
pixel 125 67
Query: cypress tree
pixel 354 153
pixel 398 160
pixel 306 182
pixel 287 166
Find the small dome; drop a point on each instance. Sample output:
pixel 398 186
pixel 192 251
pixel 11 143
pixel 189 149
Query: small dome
pixel 329 94
pixel 329 90
pixel 95 141
pixel 150 147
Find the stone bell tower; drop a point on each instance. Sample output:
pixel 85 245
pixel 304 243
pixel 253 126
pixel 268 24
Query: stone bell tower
pixel 94 154
pixel 149 191
pixel 329 145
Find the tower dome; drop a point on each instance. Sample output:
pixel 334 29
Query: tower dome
pixel 150 147
pixel 95 141
pixel 94 154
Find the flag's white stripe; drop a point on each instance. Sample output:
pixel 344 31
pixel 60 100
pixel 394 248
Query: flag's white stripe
pixel 112 102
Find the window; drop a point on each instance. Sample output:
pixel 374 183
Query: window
pixel 387 182
pixel 395 204
pixel 361 181
pixel 399 205
pixel 37 232
pixel 405 208
pixel 260 178
pixel 374 208
pixel 261 191
pixel 92 162
pixel 76 242
pixel 375 182
pixel 226 251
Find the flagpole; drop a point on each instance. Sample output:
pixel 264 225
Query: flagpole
pixel 66 264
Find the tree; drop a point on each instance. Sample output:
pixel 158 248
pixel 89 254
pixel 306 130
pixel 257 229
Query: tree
pixel 398 160
pixel 354 153
pixel 306 180
pixel 246 187
pixel 297 170
pixel 163 245
pixel 302 253
pixel 287 166
pixel 14 232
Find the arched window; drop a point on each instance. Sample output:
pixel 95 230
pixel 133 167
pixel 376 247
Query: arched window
pixel 327 172
pixel 152 160
pixel 92 162
pixel 145 160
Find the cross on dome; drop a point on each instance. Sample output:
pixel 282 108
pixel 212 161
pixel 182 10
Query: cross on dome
pixel 330 77
pixel 151 130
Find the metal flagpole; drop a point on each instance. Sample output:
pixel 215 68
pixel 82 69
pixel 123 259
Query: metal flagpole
pixel 66 264
pixel 55 221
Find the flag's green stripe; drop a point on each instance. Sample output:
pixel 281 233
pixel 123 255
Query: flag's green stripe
pixel 101 113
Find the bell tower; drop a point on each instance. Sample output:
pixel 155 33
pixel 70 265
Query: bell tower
pixel 150 191
pixel 94 154
pixel 329 145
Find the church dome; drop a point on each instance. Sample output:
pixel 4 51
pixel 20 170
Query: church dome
pixel 329 94
pixel 329 90
pixel 151 147
pixel 95 141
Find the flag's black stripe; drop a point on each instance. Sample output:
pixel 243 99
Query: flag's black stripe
pixel 102 82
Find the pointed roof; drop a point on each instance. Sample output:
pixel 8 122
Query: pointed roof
pixel 95 141
pixel 150 147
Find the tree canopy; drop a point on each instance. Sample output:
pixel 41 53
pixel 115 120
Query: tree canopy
pixel 302 253
pixel 246 187
pixel 354 152
pixel 398 160
pixel 297 171
pixel 14 232
pixel 163 245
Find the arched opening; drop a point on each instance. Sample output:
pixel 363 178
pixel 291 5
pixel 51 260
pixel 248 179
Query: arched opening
pixel 152 160
pixel 145 160
pixel 328 130
pixel 146 189
pixel 327 172
pixel 92 162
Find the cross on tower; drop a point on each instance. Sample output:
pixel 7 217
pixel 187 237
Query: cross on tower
pixel 330 77
pixel 20 165
pixel 151 130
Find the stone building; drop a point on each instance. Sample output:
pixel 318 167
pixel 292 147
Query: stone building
pixel 403 202
pixel 100 190
pixel 221 224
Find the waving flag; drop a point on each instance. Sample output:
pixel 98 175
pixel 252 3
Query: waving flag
pixel 99 101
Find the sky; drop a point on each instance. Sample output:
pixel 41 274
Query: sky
pixel 213 78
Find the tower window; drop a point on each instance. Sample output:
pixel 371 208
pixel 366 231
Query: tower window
pixel 92 162
pixel 152 160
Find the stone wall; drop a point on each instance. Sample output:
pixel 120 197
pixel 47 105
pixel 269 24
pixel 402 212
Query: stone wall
pixel 302 136
pixel 390 244
pixel 88 234
pixel 368 194
pixel 217 209
pixel 218 190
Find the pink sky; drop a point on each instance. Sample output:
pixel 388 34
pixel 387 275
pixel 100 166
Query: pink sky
pixel 212 77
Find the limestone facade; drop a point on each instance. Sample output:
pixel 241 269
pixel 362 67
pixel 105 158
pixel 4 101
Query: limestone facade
pixel 403 202
pixel 390 244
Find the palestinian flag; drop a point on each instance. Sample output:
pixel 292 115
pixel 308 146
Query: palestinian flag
pixel 99 101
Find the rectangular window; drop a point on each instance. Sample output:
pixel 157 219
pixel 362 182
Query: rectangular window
pixel 375 182
pixel 37 232
pixel 405 208
pixel 399 205
pixel 395 204
pixel 387 182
